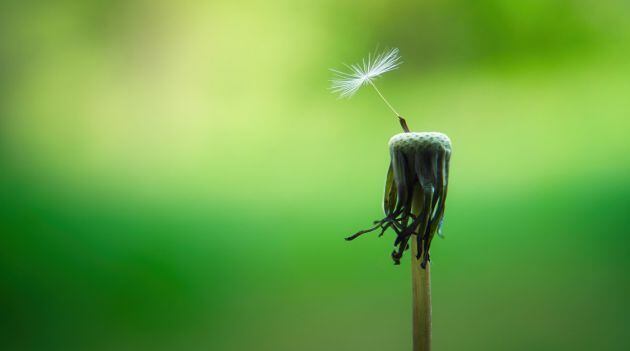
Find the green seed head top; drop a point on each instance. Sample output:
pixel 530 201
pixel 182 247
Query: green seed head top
pixel 414 142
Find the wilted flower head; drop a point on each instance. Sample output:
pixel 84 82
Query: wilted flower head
pixel 415 191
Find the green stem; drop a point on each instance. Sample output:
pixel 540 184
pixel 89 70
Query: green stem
pixel 421 293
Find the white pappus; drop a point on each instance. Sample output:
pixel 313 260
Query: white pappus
pixel 346 84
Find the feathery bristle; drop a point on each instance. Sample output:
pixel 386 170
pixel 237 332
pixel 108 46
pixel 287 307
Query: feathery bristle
pixel 347 84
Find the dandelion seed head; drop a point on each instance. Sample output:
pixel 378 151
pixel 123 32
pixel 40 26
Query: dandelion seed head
pixel 348 83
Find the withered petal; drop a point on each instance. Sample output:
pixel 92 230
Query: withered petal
pixel 418 173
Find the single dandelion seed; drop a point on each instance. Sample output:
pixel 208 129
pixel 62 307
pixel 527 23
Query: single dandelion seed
pixel 346 84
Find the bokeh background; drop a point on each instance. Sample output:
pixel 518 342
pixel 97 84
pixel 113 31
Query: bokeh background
pixel 176 175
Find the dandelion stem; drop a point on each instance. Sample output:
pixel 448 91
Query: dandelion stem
pixel 403 122
pixel 421 293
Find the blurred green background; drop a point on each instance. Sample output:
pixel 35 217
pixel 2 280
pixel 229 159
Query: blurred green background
pixel 176 175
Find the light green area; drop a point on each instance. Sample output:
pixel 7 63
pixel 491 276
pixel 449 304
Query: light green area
pixel 176 176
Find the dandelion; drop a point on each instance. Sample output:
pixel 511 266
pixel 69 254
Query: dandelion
pixel 415 192
pixel 415 189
